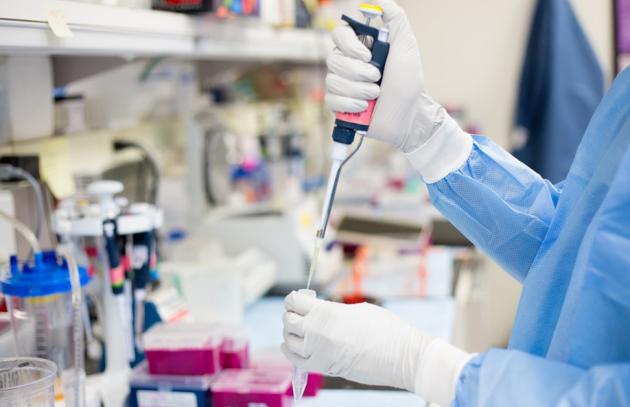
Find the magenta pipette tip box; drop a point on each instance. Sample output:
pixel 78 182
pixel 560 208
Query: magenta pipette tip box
pixel 234 353
pixel 247 387
pixel 195 348
pixel 176 350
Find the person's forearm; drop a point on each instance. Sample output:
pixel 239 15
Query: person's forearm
pixel 490 196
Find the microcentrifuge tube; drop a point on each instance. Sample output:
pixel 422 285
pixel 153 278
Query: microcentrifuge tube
pixel 300 380
pixel 300 377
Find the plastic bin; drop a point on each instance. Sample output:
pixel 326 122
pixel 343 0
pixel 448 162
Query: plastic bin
pixel 234 353
pixel 27 382
pixel 167 391
pixel 252 387
pixel 182 349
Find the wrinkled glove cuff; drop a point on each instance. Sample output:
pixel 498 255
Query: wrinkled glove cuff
pixel 439 371
pixel 446 151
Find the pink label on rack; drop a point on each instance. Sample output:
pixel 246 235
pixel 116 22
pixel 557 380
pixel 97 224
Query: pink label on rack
pixel 117 275
pixel 363 118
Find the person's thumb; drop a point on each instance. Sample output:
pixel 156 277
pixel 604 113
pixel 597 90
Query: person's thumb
pixel 300 302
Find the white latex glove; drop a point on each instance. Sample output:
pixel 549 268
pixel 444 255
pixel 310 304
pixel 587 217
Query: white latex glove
pixel 405 115
pixel 367 344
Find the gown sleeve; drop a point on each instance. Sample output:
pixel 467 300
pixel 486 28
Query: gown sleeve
pixel 509 377
pixel 499 203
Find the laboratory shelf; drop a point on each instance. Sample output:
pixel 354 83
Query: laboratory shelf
pixel 248 40
pixel 61 27
pixel 26 26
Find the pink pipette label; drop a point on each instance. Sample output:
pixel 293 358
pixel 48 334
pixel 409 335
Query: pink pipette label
pixel 363 118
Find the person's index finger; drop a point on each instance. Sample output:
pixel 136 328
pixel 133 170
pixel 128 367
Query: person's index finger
pixel 351 68
pixel 391 10
pixel 299 303
pixel 348 43
pixel 293 323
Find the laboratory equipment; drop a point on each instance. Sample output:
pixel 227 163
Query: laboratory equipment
pixel 102 225
pixel 283 233
pixel 183 349
pixel 234 353
pixel 28 201
pixel 381 231
pixel 347 126
pixel 196 348
pixel 26 105
pixel 44 317
pixel 147 390
pixel 150 163
pixel 27 382
pixel 69 112
pixel 222 8
pixel 109 211
pixel 249 387
pixel 217 287
pixel 141 263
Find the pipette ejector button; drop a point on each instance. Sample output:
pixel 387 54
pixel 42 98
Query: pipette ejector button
pixel 371 10
pixel 343 135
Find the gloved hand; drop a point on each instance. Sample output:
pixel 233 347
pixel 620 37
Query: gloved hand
pixel 367 344
pixel 405 116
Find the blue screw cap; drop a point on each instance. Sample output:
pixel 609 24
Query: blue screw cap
pixel 48 275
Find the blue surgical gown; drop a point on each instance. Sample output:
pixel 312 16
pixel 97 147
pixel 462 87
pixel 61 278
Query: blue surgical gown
pixel 569 245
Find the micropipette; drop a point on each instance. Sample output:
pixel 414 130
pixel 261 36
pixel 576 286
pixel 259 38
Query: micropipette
pixel 347 126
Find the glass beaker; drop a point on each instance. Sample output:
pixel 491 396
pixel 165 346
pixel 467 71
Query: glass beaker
pixel 27 382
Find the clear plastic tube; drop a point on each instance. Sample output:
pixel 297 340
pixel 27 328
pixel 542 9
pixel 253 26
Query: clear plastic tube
pixel 23 230
pixel 78 378
pixel 10 170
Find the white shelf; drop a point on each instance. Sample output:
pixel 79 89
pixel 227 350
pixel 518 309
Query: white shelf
pixel 244 41
pixel 97 30
pixel 114 31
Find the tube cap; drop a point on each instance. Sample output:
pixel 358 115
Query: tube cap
pixel 47 276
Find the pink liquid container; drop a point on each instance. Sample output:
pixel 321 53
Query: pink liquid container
pixel 252 387
pixel 182 349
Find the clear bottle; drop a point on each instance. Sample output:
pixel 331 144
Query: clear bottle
pixel 39 301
